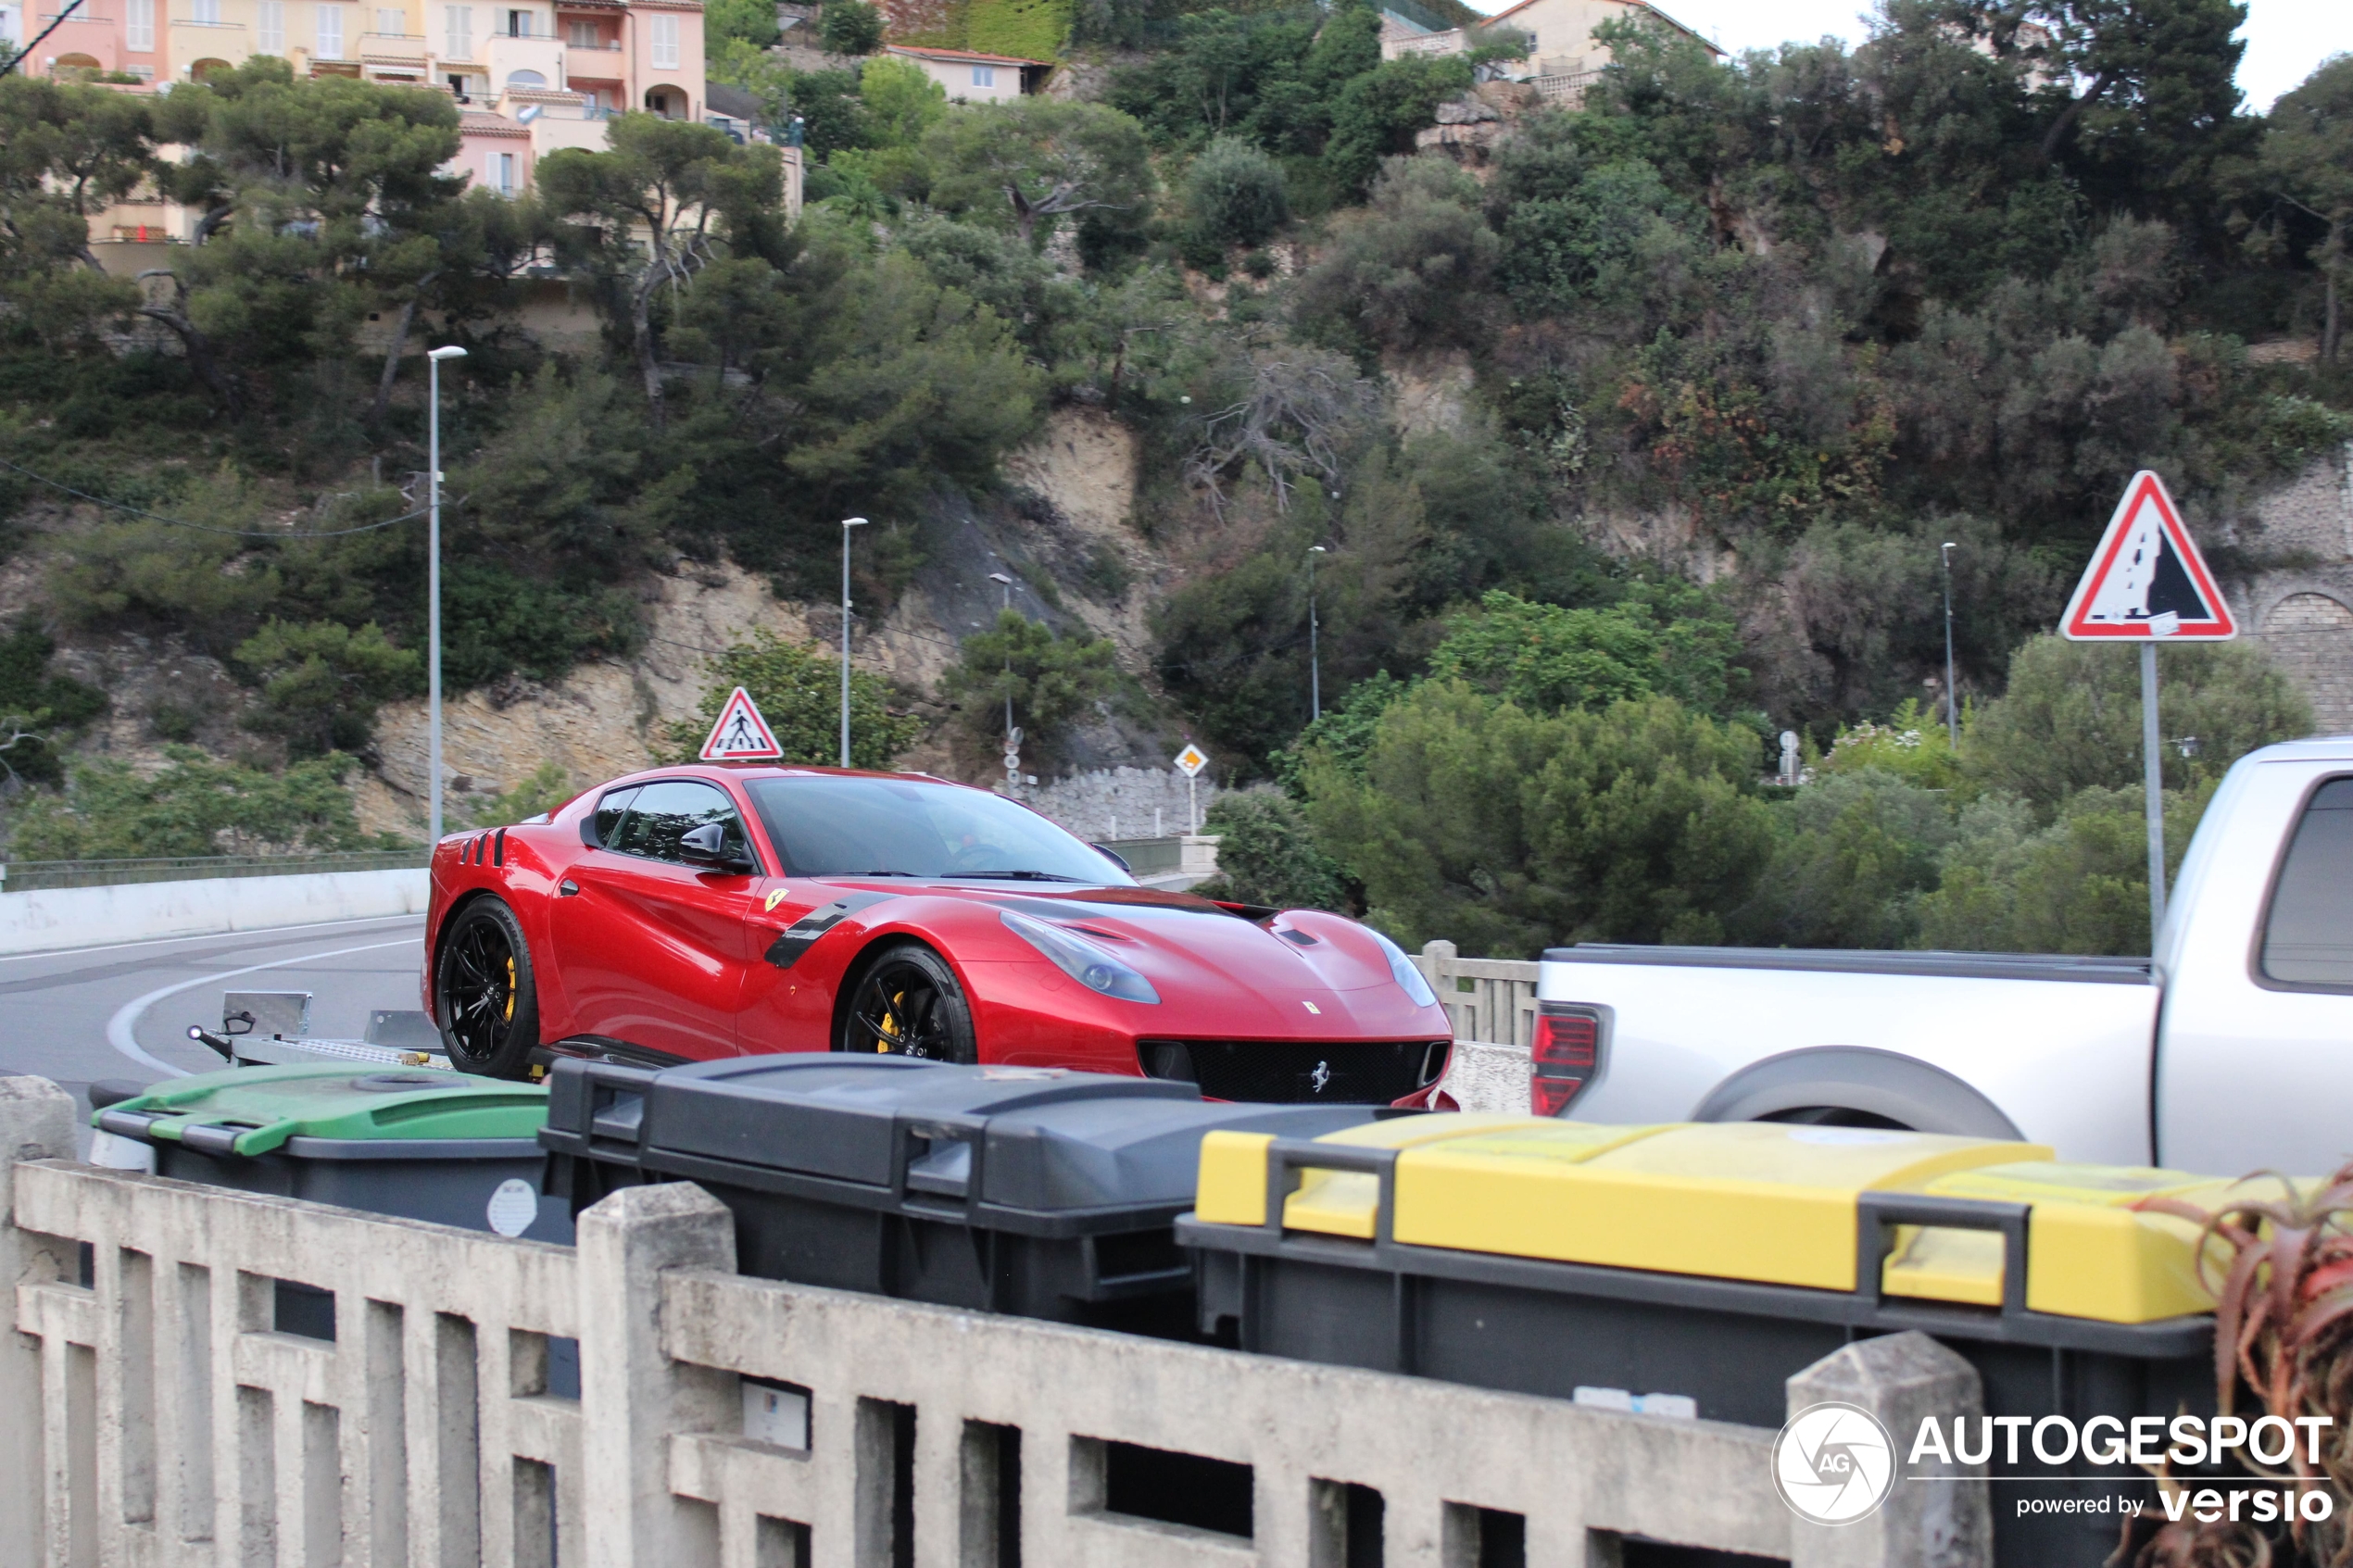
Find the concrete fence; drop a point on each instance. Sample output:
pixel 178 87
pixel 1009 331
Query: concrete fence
pixel 163 1410
pixel 1493 1002
pixel 47 919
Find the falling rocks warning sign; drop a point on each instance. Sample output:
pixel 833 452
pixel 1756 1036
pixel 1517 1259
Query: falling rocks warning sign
pixel 2147 578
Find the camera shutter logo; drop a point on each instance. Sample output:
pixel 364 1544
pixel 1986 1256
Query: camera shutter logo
pixel 1833 1463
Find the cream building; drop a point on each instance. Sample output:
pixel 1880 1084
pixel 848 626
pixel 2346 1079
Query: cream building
pixel 971 77
pixel 1562 54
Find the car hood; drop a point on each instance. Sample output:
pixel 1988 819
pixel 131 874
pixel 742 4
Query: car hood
pixel 1314 975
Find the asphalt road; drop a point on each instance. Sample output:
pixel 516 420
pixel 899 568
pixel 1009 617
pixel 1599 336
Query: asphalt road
pixel 123 1011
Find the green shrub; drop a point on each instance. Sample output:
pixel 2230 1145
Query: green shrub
pixel 1234 195
pixel 1266 855
pixel 851 27
pixel 193 804
pixel 1052 681
pixel 39 708
pixel 321 683
pixel 798 689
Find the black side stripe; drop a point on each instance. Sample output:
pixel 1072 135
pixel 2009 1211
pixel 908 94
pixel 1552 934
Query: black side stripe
pixel 802 934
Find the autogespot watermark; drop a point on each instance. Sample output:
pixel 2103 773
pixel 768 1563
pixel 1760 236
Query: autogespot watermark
pixel 1834 1464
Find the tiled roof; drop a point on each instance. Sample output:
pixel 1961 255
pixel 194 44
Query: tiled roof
pixel 963 55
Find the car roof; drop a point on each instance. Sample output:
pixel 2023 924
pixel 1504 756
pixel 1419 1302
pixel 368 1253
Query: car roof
pixel 749 770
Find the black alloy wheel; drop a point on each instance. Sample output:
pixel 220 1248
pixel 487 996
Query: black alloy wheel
pixel 483 995
pixel 907 1003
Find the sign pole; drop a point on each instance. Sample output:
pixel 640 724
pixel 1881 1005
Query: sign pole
pixel 2152 781
pixel 2146 582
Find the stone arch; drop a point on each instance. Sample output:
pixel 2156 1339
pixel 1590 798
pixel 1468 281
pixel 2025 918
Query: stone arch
pixel 667 101
pixel 2309 632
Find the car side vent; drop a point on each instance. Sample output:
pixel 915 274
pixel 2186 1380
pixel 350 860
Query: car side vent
pixel 499 848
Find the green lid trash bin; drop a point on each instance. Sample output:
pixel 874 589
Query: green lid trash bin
pixel 418 1143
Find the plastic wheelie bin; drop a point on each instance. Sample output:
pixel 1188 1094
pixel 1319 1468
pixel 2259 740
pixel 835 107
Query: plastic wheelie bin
pixel 1035 1191
pixel 1710 1263
pixel 417 1143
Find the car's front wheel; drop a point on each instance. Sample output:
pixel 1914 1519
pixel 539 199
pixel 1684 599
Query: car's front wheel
pixel 907 1002
pixel 485 997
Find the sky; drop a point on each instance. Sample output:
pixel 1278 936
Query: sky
pixel 2284 38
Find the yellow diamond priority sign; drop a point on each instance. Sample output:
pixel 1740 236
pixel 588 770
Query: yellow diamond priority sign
pixel 1191 760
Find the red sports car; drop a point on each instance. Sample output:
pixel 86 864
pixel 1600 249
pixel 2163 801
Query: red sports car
pixel 692 913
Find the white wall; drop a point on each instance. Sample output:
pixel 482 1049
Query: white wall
pixel 79 916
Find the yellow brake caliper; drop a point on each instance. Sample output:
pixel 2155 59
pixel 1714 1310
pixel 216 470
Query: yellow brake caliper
pixel 891 1024
pixel 510 987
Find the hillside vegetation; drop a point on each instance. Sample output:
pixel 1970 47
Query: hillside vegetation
pixel 1702 374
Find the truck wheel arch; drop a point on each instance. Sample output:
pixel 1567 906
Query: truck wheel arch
pixel 1881 1084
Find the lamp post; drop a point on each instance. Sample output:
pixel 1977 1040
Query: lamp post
pixel 1315 658
pixel 1952 696
pixel 432 587
pixel 846 524
pixel 1007 582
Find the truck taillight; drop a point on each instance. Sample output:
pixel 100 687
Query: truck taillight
pixel 1567 1053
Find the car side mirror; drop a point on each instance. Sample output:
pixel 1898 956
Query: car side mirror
pixel 1114 856
pixel 707 846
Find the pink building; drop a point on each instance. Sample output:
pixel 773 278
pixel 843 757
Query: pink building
pixel 530 75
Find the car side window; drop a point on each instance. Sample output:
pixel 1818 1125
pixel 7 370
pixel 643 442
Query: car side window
pixel 609 812
pixel 2308 932
pixel 666 811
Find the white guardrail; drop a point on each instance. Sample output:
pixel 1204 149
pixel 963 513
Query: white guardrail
pixel 157 1416
pixel 47 919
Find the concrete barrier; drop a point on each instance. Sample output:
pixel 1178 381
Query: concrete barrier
pixel 79 916
pixel 1493 1002
pixel 160 1415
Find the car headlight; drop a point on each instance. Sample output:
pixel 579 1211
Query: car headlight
pixel 1402 969
pixel 1090 963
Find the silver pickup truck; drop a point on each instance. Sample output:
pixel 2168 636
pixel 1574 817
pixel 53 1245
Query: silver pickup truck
pixel 2230 1050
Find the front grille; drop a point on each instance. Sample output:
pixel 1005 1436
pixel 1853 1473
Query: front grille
pixel 1298 1072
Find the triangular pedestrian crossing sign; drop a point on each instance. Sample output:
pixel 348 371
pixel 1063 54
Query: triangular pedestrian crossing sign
pixel 741 734
pixel 2146 579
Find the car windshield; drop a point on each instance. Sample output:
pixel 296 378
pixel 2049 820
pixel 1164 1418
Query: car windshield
pixel 907 827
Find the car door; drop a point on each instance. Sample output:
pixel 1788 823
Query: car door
pixel 652 949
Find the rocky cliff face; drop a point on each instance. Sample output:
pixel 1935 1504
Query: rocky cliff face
pixel 1061 532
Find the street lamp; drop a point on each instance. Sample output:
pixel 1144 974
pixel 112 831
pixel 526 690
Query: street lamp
pixel 1315 660
pixel 1952 696
pixel 846 524
pixel 1011 739
pixel 432 587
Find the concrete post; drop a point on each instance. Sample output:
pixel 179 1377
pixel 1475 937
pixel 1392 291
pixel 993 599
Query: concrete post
pixel 632 1396
pixel 36 1122
pixel 1937 1514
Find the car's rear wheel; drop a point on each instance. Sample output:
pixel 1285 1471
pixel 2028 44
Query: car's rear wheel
pixel 907 1002
pixel 485 997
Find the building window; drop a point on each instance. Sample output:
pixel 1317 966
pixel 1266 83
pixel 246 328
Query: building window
pixel 458 21
pixel 984 76
pixel 330 32
pixel 139 25
pixel 583 36
pixel 270 33
pixel 525 79
pixel 665 42
pixel 502 173
pixel 207 12
pixel 391 23
pixel 518 24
